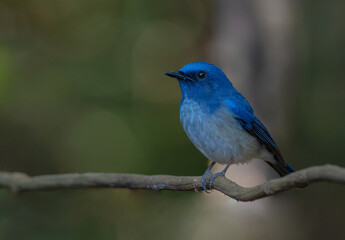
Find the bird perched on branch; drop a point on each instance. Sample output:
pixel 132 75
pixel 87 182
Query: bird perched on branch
pixel 221 123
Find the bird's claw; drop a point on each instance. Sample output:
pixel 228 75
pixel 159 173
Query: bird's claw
pixel 206 174
pixel 203 184
pixel 203 180
pixel 214 176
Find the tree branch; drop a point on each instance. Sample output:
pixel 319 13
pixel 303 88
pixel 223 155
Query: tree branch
pixel 20 182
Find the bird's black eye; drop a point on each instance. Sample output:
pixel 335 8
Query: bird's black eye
pixel 201 75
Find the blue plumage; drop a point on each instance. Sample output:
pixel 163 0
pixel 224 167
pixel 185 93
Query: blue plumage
pixel 220 122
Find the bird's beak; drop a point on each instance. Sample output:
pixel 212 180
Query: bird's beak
pixel 179 75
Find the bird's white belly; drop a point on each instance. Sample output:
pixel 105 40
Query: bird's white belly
pixel 217 135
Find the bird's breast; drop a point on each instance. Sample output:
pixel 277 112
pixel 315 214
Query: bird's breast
pixel 217 134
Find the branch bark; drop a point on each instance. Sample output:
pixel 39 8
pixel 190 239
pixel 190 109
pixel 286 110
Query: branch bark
pixel 20 182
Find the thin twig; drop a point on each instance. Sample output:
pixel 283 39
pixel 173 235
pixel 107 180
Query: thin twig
pixel 20 182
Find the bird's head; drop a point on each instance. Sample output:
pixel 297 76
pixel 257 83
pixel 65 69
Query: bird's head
pixel 201 80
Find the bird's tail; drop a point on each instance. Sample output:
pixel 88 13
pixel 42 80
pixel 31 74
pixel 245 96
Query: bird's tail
pixel 281 169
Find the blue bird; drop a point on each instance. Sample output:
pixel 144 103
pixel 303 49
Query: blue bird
pixel 221 123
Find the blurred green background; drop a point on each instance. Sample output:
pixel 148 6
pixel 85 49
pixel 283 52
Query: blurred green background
pixel 82 90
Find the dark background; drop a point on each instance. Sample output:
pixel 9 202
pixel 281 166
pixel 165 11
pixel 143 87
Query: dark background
pixel 82 90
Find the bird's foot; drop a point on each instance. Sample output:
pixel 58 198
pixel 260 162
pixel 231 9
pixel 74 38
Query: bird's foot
pixel 206 174
pixel 222 173
pixel 214 176
pixel 203 180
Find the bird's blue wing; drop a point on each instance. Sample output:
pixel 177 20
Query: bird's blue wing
pixel 253 126
pixel 237 98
